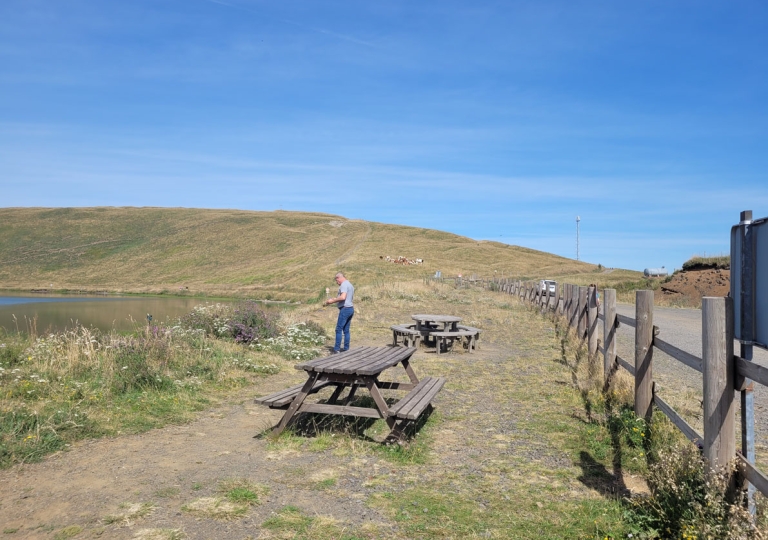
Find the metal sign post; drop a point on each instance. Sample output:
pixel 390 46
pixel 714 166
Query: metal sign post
pixel 749 290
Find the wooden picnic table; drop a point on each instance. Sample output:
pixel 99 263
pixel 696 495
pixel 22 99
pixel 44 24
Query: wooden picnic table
pixel 355 368
pixel 429 322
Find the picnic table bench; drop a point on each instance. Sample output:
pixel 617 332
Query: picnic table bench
pixel 418 399
pixel 353 369
pixel 407 333
pixel 444 339
pixel 283 398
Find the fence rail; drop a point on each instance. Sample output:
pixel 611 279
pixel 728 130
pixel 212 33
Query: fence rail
pixel 686 358
pixel 723 372
pixel 678 420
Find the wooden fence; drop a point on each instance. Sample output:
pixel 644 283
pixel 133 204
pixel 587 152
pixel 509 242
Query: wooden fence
pixel 723 372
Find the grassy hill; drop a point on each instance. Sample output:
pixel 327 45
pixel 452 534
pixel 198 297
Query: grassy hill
pixel 278 255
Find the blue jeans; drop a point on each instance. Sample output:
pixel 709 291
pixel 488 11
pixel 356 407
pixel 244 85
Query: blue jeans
pixel 342 327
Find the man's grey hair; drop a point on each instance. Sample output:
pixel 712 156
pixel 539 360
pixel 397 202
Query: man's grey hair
pixel 339 274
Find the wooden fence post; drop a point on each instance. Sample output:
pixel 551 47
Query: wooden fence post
pixel 644 354
pixel 550 295
pixel 556 307
pixel 581 316
pixel 719 407
pixel 592 321
pixel 574 307
pixel 609 333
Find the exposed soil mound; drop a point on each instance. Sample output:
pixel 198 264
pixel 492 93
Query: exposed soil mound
pixel 688 287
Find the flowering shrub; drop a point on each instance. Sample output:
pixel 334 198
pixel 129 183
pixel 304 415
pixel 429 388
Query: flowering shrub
pixel 299 342
pixel 64 349
pixel 212 319
pixel 246 322
pixel 247 365
pixel 249 323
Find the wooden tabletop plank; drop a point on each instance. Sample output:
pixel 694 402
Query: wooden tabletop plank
pixel 392 360
pixel 351 368
pixel 344 358
pixel 436 318
pixel 332 359
pixel 391 354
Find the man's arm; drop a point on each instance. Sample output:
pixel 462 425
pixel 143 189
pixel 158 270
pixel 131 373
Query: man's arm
pixel 340 298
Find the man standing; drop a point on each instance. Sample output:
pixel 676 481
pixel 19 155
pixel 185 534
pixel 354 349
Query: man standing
pixel 346 311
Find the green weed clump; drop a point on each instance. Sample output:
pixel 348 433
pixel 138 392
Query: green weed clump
pixel 688 501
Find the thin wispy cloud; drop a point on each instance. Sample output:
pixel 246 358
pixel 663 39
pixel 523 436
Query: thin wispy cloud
pixel 326 32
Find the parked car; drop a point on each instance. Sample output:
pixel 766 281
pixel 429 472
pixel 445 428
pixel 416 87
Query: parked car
pixel 548 285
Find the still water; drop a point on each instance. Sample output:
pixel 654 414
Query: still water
pixel 57 312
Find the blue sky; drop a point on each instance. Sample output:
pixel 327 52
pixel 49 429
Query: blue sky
pixel 494 120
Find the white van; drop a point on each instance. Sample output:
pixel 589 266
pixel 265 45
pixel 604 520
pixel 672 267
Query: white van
pixel 548 285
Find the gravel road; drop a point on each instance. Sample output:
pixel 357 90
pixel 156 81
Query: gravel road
pixel 681 385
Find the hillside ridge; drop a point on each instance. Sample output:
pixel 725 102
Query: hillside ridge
pixel 279 254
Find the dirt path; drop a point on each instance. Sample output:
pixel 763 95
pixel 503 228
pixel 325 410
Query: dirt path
pixel 494 448
pixel 168 467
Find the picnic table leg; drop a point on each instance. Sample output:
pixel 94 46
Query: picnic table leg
pixel 397 432
pixel 296 403
pixel 351 396
pixel 336 394
pixel 410 372
pixel 380 403
pixel 438 343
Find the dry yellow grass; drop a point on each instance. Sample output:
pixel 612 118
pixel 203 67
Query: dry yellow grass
pixel 279 255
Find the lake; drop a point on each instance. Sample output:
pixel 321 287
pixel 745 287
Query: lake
pixel 57 312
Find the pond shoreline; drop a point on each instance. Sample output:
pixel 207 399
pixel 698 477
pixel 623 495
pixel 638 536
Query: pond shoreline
pixel 108 293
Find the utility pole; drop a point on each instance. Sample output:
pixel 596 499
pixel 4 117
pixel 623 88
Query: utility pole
pixel 577 237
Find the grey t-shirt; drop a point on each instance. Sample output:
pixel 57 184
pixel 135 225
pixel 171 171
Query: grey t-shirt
pixel 346 287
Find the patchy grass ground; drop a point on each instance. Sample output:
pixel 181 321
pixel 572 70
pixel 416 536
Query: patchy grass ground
pixel 514 449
